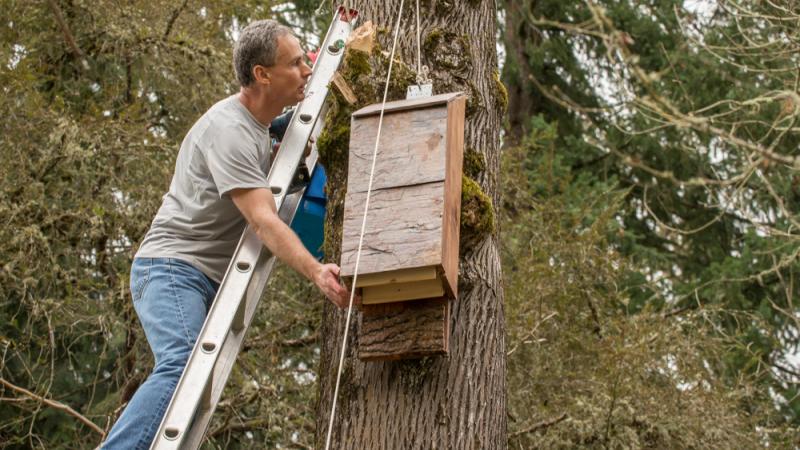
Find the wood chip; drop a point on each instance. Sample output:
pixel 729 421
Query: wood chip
pixel 362 38
pixel 344 88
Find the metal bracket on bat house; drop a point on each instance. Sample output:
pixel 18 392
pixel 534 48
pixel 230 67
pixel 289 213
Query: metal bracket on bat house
pixel 408 270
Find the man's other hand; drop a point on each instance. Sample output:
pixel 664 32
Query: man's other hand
pixel 309 145
pixel 327 280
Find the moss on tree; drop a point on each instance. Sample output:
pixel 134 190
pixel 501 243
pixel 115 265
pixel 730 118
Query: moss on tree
pixel 477 212
pixel 501 96
pixel 474 162
pixel 448 51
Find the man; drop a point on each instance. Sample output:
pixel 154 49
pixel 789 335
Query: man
pixel 219 184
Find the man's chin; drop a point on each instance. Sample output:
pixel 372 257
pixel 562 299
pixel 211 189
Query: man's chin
pixel 297 99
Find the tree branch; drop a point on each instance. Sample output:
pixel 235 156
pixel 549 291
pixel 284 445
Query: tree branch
pixel 68 34
pixel 173 18
pixel 786 370
pixel 540 425
pixel 54 404
pixel 299 342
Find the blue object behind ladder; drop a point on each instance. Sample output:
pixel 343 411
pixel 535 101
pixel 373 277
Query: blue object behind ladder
pixel 309 220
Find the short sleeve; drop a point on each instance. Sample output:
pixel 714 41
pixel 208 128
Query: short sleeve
pixel 232 155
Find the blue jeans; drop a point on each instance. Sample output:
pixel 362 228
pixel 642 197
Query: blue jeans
pixel 171 299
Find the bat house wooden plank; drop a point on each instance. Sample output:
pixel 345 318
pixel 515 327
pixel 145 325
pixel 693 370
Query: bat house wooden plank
pixel 452 194
pixel 402 105
pixel 414 290
pixel 409 261
pixel 412 150
pixel 404 229
pixel 397 276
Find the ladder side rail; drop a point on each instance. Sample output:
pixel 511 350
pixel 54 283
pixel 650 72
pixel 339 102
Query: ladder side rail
pixel 263 270
pixel 228 313
pixel 194 385
pixel 230 350
pixel 202 386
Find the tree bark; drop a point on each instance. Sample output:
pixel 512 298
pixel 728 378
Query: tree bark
pixel 522 99
pixel 458 401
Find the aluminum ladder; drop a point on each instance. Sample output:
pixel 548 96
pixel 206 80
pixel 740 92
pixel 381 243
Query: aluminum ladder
pixel 200 387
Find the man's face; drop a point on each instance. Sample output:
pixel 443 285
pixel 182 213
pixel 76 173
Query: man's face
pixel 289 74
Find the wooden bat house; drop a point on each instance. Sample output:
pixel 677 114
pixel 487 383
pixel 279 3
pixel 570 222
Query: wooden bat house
pixel 409 258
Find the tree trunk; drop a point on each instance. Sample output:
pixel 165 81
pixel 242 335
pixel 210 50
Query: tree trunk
pixel 458 401
pixel 523 98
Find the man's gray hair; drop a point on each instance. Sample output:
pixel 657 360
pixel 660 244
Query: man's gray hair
pixel 257 45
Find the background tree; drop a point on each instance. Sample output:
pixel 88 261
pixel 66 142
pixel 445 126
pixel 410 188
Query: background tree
pixel 684 110
pixel 458 401
pixel 584 371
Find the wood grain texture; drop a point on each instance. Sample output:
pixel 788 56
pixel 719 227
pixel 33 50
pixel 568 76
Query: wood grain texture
pixel 403 231
pixel 451 218
pixel 404 330
pixel 411 151
pixel 344 88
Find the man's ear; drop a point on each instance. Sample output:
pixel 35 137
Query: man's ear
pixel 261 75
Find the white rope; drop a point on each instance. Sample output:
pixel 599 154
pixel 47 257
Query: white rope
pixel 363 228
pixel 419 52
pixel 422 71
pixel 318 11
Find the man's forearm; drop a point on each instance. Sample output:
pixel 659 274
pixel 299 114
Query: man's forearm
pixel 284 243
pixel 258 207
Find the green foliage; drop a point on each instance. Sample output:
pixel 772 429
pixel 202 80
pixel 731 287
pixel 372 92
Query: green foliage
pixel 88 141
pixel 692 114
pixel 584 369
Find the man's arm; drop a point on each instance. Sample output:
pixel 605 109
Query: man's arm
pixel 258 207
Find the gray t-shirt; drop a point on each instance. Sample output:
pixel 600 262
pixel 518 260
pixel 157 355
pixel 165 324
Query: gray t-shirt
pixel 227 148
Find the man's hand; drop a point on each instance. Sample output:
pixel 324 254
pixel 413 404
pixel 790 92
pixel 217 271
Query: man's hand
pixel 327 280
pixel 309 145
